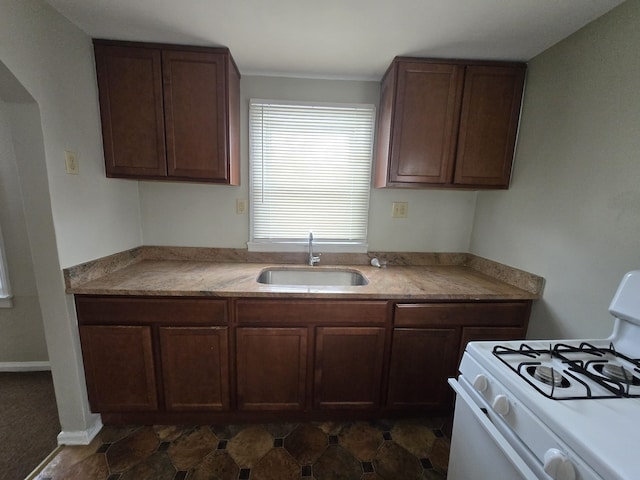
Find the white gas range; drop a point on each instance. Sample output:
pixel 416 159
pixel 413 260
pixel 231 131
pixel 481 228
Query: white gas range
pixel 562 410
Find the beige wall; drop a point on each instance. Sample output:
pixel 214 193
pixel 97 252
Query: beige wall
pixel 69 219
pixel 53 60
pixel 572 214
pixel 204 215
pixel 22 334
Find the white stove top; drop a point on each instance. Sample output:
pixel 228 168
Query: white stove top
pixel 603 432
pixel 595 417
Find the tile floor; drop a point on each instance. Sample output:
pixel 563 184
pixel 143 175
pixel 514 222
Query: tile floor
pixel 402 449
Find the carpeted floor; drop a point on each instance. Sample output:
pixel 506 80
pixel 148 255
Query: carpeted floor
pixel 29 422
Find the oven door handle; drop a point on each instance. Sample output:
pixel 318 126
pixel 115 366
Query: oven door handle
pixel 501 442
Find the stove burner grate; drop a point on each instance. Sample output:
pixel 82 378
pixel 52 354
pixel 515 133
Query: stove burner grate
pixel 615 380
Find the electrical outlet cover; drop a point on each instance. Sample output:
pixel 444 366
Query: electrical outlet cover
pixel 241 206
pixel 400 210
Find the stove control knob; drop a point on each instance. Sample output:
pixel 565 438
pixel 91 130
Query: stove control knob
pixel 501 404
pixel 480 383
pixel 558 466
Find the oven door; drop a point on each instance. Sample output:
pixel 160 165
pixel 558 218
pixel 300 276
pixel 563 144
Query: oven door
pixel 478 449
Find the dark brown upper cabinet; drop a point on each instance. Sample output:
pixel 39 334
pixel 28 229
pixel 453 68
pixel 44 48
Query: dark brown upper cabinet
pixel 169 112
pixel 447 123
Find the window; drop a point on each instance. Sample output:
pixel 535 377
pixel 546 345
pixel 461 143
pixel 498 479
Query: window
pixel 5 291
pixel 310 170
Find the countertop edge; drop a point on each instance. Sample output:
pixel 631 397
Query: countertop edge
pixel 76 278
pixel 318 294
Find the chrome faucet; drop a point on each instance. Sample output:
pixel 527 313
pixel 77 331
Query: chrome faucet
pixel 313 260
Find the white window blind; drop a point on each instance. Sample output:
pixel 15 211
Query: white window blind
pixel 310 171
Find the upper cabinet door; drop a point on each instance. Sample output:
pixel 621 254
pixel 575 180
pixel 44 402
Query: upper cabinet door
pixel 447 123
pixel 425 122
pixel 130 92
pixel 169 112
pixel 488 125
pixel 195 114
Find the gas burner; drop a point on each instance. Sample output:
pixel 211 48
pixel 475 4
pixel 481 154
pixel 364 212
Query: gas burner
pixel 548 376
pixel 617 373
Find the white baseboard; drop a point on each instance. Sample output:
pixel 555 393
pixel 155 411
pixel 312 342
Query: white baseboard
pixel 24 366
pixel 80 437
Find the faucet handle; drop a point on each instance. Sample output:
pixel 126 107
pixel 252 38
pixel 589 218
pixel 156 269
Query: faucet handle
pixel 314 259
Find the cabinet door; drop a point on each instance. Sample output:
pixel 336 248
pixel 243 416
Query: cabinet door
pixel 488 125
pixel 195 368
pixel 348 367
pixel 195 114
pixel 271 368
pixel 425 122
pixel 118 363
pixel 130 92
pixel 421 362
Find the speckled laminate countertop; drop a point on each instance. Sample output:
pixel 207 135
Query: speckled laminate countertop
pixel 450 279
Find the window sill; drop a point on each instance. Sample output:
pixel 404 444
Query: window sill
pixel 318 247
pixel 6 302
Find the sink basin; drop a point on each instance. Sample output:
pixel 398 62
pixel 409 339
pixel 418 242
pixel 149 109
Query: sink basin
pixel 312 276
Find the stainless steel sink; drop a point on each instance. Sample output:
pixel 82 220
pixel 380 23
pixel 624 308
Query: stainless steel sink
pixel 312 276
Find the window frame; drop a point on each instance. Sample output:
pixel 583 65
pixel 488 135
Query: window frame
pixel 301 244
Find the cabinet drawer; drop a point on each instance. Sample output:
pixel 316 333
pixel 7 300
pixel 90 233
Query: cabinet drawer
pixel 443 314
pixel 179 311
pixel 304 312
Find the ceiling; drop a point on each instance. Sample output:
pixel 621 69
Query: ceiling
pixel 354 39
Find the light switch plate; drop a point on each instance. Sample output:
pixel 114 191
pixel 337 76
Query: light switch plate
pixel 71 162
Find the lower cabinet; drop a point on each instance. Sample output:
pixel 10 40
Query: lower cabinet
pixel 195 368
pixel 348 367
pixel 310 355
pixel 154 355
pixel 428 342
pixel 176 360
pixel 119 368
pixel 271 368
pixel 421 361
